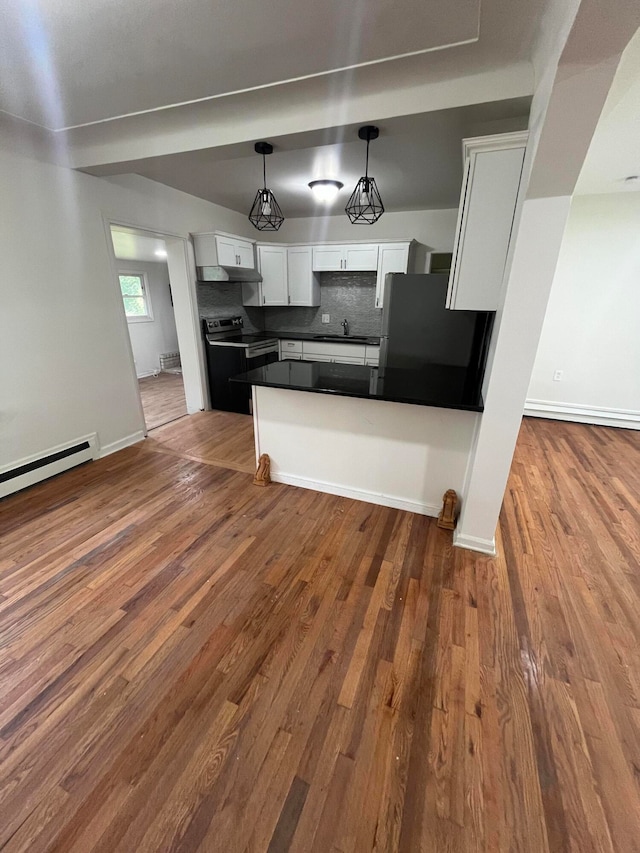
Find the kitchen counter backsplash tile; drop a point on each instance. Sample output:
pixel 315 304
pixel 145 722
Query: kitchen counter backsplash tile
pixel 224 299
pixel 350 296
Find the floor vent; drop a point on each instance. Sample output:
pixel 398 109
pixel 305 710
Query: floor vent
pixel 33 469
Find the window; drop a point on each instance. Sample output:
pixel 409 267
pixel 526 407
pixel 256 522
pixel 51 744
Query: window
pixel 135 297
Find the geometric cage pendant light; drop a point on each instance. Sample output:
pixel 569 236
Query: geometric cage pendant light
pixel 365 205
pixel 265 212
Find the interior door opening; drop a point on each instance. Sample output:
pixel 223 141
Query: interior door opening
pixel 145 287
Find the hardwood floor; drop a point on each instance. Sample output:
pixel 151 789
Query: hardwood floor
pixel 215 438
pixel 192 663
pixel 162 398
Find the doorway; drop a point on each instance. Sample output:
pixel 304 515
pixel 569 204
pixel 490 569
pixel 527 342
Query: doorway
pixel 145 288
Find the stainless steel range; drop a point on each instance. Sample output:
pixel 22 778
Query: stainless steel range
pixel 229 352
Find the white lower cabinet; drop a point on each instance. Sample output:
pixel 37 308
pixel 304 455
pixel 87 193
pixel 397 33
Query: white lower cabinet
pixel 290 349
pixel 294 350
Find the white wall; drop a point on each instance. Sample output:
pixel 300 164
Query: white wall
pixel 432 228
pixel 64 348
pixel 591 329
pixel 386 453
pixel 151 338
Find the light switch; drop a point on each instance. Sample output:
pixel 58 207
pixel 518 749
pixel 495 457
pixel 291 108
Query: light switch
pixel 326 318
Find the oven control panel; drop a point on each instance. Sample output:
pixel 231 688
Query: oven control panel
pixel 221 324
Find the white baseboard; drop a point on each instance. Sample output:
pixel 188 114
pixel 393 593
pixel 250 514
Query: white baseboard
pixel 624 418
pixel 43 472
pixel 127 441
pixel 474 543
pixel 358 494
pixel 147 373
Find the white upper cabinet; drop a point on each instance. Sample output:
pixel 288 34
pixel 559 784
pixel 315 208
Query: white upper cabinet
pixel 227 252
pixel 492 171
pixel 287 278
pixel 392 257
pixel 361 258
pixel 212 250
pixel 327 258
pixel 351 257
pixel 272 263
pixel 304 288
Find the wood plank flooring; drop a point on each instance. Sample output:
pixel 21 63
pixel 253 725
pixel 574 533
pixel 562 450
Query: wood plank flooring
pixel 162 398
pixel 190 663
pixel 214 438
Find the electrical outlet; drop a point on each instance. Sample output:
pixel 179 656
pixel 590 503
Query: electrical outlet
pixel 326 318
pixel 557 376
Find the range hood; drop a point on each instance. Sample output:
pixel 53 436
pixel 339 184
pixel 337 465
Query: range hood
pixel 219 273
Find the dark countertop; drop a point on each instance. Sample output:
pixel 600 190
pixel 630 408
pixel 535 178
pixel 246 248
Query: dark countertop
pixel 438 385
pixel 309 336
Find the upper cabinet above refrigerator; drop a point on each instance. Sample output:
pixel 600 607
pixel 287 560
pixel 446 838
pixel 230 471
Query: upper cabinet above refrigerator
pixel 492 172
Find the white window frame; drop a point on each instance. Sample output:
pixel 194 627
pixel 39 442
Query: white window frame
pixel 148 317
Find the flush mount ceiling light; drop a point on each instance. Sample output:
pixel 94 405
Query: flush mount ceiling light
pixel 325 191
pixel 365 205
pixel 266 214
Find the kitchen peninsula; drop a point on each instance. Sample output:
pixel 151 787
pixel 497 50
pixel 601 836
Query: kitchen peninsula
pixel 350 437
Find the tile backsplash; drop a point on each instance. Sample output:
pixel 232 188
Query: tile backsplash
pixel 343 295
pixel 224 299
pixel 346 295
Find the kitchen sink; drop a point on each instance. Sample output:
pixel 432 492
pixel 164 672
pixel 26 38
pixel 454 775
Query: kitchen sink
pixel 344 338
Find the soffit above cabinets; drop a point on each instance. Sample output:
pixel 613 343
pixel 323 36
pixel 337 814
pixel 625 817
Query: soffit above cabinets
pixel 417 162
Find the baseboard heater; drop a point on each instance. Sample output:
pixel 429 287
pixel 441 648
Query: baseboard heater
pixel 33 469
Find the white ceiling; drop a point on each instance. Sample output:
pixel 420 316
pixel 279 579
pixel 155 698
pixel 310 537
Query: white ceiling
pixel 614 153
pixel 417 162
pixel 65 63
pixel 131 245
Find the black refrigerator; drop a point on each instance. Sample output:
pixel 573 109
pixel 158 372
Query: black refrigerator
pixel 418 331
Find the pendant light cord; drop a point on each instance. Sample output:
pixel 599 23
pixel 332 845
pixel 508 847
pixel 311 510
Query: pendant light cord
pixel 264 171
pixel 366 168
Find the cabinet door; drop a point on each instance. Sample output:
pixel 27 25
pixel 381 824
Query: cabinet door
pixel 273 267
pixel 347 359
pixel 488 204
pixel 304 288
pixel 391 258
pixel 227 254
pixel 246 258
pixel 363 258
pixel 327 258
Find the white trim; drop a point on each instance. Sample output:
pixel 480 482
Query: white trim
pixel 600 415
pixel 474 543
pixel 357 494
pixel 127 441
pixel 38 474
pixel 256 423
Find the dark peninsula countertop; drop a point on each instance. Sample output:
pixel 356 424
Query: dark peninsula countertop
pixel 441 386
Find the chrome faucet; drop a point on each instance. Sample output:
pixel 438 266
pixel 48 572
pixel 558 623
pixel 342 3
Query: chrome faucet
pixel 345 326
